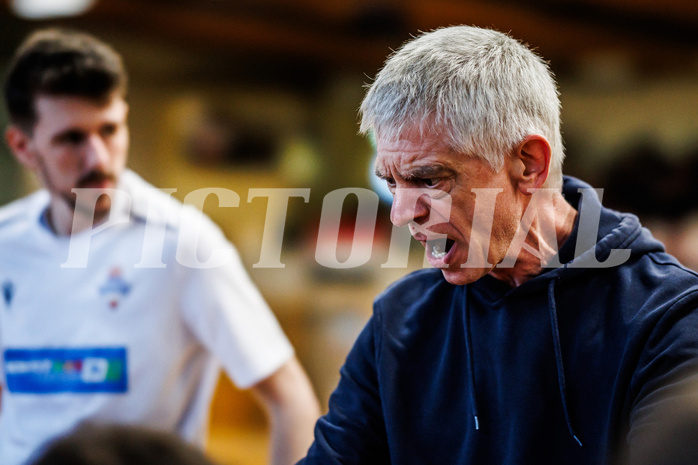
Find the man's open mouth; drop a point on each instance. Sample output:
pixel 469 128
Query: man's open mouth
pixel 438 248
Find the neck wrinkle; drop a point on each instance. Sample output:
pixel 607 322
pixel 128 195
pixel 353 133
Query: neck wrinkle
pixel 528 265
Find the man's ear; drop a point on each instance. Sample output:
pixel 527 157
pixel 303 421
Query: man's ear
pixel 534 154
pixel 20 145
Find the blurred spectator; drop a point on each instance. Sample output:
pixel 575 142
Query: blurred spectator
pixel 662 192
pixel 671 437
pixel 114 338
pixel 119 445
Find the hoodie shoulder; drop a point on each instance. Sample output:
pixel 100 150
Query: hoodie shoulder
pixel 674 273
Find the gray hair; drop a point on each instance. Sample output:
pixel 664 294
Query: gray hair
pixel 480 89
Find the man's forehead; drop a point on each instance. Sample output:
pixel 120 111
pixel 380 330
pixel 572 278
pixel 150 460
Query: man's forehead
pixel 413 141
pixel 48 102
pixel 55 110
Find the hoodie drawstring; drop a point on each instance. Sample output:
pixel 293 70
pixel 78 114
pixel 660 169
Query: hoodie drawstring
pixel 558 358
pixel 469 355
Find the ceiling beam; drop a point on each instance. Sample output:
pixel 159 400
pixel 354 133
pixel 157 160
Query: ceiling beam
pixel 359 34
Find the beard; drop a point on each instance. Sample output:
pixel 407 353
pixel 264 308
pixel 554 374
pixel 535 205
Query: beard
pixel 98 205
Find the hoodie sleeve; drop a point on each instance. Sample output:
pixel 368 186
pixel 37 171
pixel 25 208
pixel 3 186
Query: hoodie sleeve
pixel 666 383
pixel 353 431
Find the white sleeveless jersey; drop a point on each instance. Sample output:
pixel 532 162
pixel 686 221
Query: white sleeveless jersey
pixel 130 325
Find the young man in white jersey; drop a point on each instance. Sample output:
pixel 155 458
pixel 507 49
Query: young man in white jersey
pixel 137 332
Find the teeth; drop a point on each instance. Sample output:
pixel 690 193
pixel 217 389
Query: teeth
pixel 436 252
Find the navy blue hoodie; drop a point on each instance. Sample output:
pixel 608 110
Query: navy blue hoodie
pixel 567 368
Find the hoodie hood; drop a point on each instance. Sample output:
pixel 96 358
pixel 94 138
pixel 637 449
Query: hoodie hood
pixel 601 238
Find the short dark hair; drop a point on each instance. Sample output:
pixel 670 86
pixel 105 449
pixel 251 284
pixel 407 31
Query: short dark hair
pixel 93 444
pixel 60 62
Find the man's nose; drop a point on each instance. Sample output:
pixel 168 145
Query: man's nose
pixel 96 152
pixel 409 205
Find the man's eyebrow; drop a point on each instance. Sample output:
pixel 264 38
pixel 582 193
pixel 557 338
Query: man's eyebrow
pixel 422 172
pixel 429 171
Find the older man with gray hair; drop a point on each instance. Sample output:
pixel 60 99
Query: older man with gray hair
pixel 551 330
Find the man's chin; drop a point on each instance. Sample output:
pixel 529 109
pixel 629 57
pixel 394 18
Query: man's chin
pixel 460 276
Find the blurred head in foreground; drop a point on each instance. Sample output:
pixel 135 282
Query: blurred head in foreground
pixel 119 445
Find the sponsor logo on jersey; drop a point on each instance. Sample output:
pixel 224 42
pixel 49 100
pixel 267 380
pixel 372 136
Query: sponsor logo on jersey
pixel 8 292
pixel 115 288
pixel 50 371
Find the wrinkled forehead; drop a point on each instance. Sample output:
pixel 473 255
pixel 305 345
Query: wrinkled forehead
pixel 415 158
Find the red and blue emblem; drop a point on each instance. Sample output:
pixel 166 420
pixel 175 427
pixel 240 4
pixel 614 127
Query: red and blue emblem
pixel 115 288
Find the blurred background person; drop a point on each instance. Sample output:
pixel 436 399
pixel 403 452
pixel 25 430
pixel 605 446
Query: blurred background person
pixel 671 438
pixel 114 338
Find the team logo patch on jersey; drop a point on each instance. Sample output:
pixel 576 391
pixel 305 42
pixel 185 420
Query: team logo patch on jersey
pixel 115 288
pixel 50 371
pixel 8 292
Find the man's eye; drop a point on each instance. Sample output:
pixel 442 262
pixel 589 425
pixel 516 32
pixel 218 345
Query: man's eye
pixel 108 130
pixel 438 187
pixel 390 182
pixel 73 137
